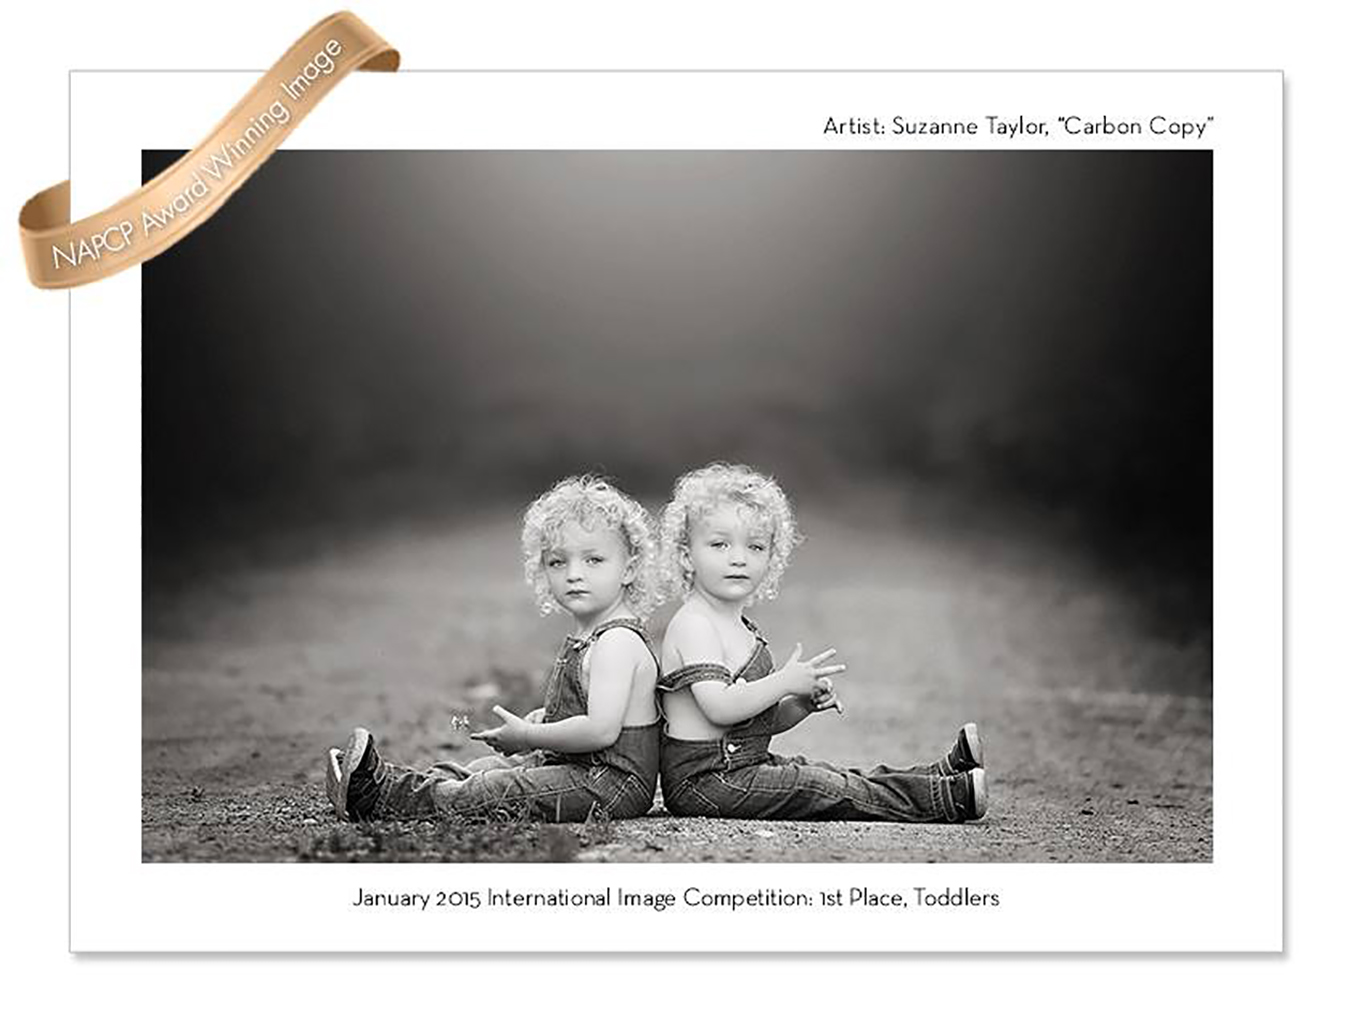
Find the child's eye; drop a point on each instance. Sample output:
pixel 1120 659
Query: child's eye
pixel 595 560
pixel 718 544
pixel 554 563
pixel 758 548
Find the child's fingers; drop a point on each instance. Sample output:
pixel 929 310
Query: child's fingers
pixel 833 668
pixel 796 654
pixel 822 657
pixel 824 703
pixel 505 713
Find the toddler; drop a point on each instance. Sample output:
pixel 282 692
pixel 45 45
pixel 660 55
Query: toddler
pixel 727 535
pixel 593 746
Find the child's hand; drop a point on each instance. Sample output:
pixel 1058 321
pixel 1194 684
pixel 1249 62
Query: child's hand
pixel 801 675
pixel 510 737
pixel 535 715
pixel 824 698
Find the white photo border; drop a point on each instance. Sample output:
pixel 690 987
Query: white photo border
pixel 1234 903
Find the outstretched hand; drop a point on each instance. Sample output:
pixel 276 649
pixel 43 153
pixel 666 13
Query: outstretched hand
pixel 510 737
pixel 802 675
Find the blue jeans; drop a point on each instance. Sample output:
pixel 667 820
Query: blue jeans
pixel 697 781
pixel 548 793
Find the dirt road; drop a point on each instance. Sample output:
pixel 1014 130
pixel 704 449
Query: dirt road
pixel 1098 725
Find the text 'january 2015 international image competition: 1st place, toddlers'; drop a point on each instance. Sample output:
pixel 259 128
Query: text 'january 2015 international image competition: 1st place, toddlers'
pixel 693 896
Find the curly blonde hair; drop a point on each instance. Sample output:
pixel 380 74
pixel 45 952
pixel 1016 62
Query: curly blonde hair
pixel 590 501
pixel 699 492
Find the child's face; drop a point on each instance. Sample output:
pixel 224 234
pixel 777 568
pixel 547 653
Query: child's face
pixel 587 569
pixel 729 551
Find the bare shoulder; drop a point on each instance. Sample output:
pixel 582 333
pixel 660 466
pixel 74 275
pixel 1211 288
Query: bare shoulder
pixel 619 647
pixel 692 637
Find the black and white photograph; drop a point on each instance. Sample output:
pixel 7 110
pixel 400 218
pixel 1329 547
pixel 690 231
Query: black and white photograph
pixel 644 506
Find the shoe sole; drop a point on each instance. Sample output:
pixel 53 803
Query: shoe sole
pixel 351 758
pixel 332 782
pixel 980 792
pixel 973 742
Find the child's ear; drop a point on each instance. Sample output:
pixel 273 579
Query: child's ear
pixel 629 571
pixel 686 562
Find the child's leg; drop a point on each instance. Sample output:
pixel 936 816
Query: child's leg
pixel 371 788
pixel 551 793
pixel 463 770
pixel 449 767
pixel 796 788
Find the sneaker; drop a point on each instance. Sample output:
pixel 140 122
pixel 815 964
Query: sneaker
pixel 970 792
pixel 967 751
pixel 362 774
pixel 332 782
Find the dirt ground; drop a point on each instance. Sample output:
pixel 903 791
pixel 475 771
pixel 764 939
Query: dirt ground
pixel 1097 718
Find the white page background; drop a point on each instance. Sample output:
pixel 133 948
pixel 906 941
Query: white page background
pixel 1162 35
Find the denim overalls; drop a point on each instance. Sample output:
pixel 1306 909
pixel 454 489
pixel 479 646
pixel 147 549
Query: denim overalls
pixel 619 781
pixel 738 777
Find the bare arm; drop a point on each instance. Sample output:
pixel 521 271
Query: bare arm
pixel 613 662
pixel 729 704
pixel 696 641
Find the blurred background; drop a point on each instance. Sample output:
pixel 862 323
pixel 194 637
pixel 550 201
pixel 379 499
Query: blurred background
pixel 369 334
pixel 983 376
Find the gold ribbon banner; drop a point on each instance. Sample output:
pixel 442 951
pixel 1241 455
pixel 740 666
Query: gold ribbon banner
pixel 61 254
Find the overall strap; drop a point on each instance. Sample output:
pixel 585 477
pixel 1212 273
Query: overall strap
pixel 693 673
pixel 754 628
pixel 633 625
